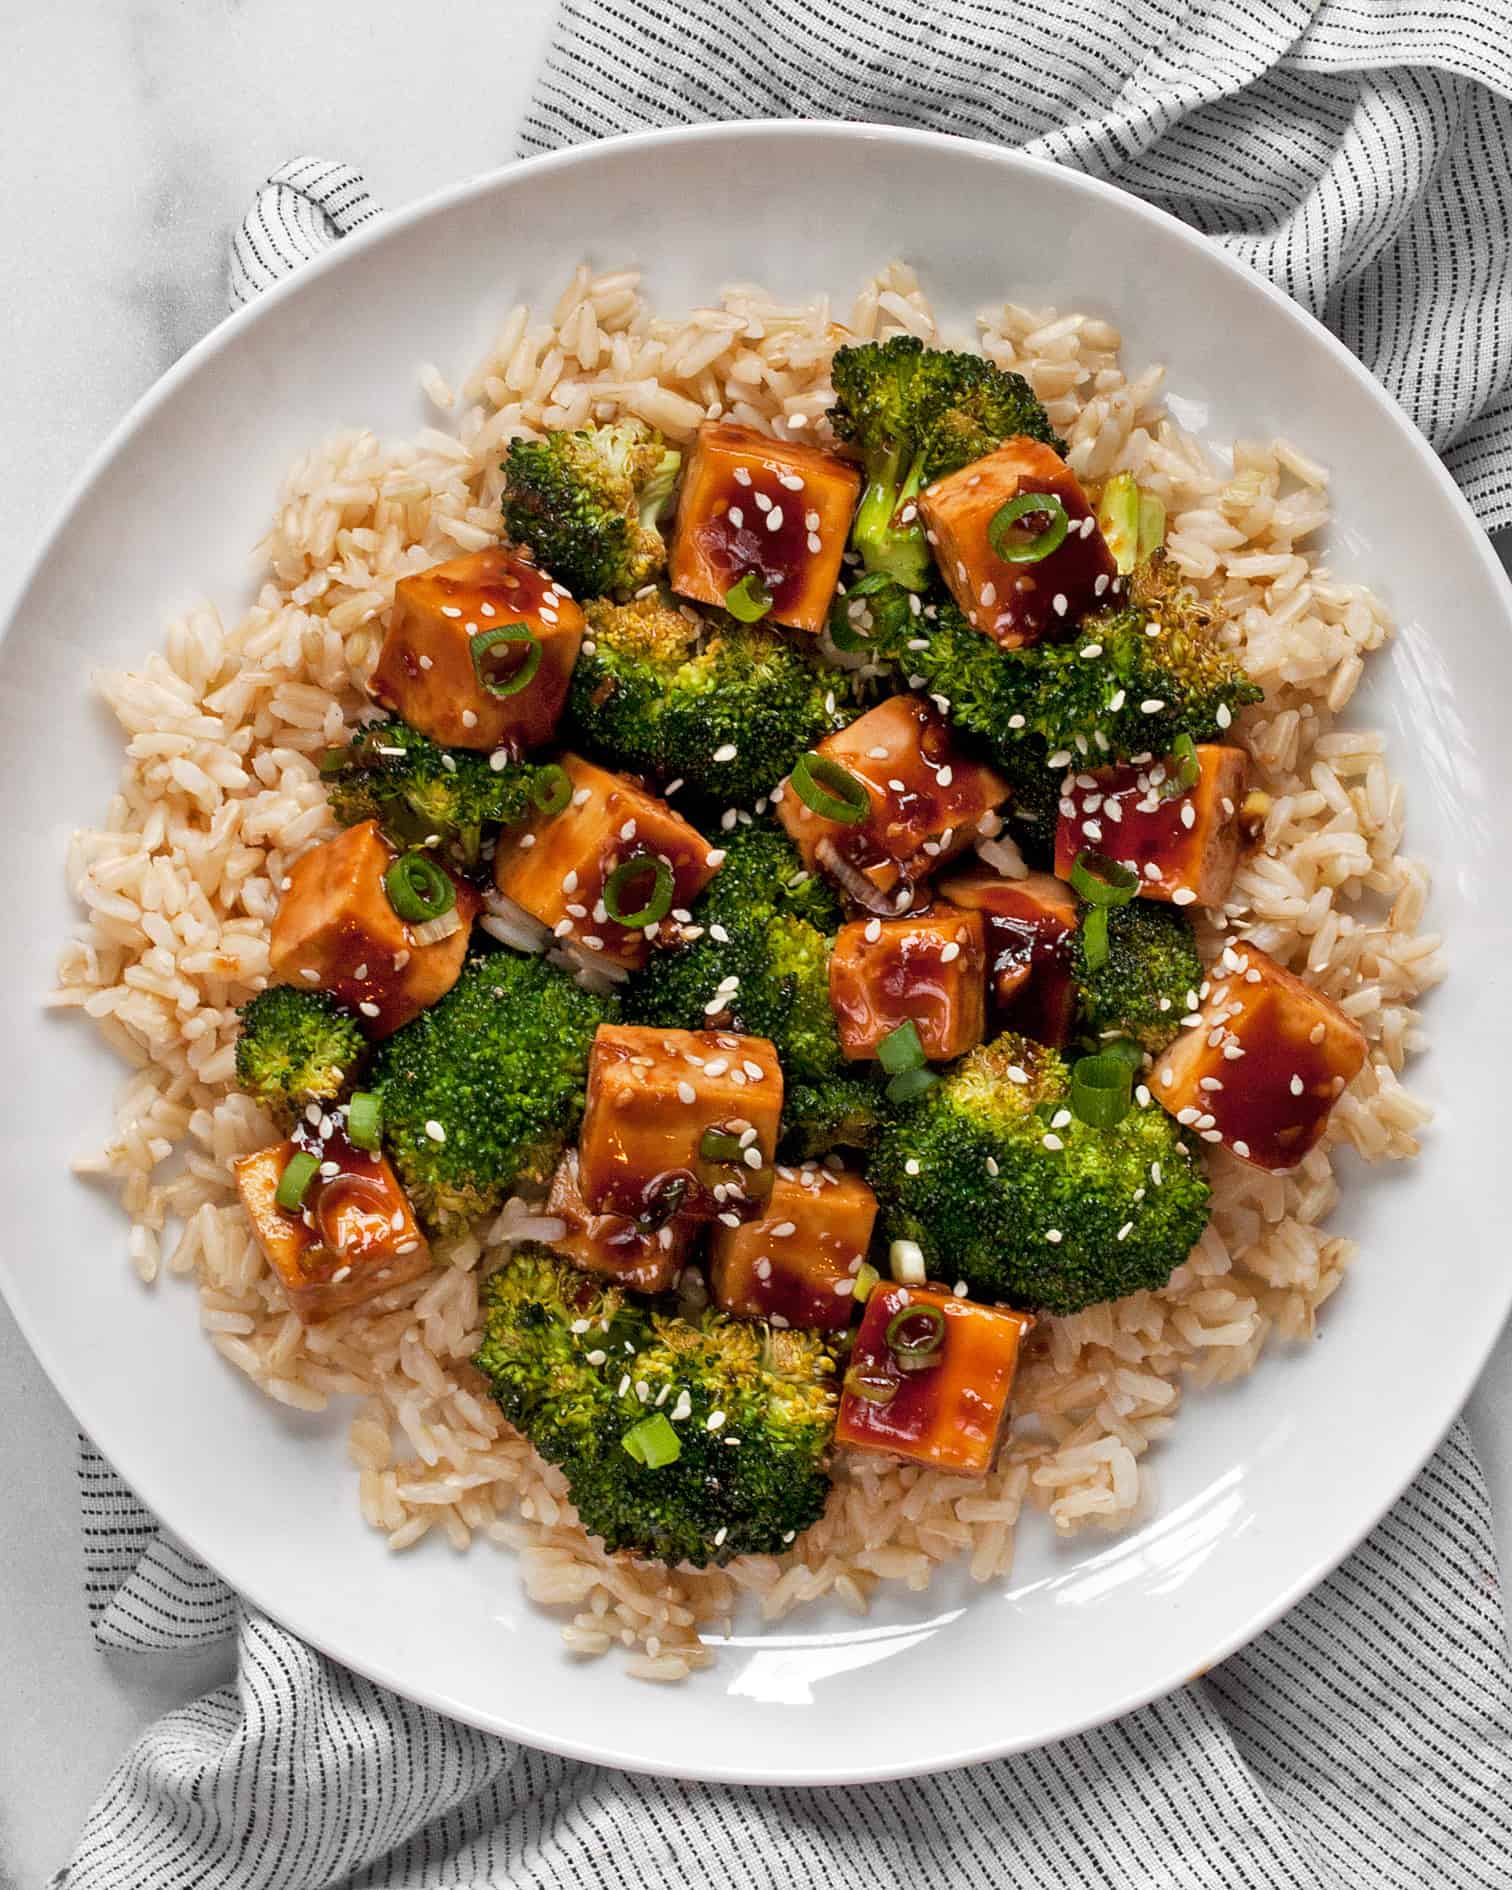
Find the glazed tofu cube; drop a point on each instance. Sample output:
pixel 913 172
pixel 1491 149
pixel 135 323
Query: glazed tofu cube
pixel 950 1416
pixel 931 969
pixel 557 867
pixel 926 802
pixel 354 1236
pixel 335 930
pixel 1017 602
pixel 679 1121
pixel 451 662
pixel 796 1263
pixel 772 509
pixel 1029 923
pixel 645 1258
pixel 1184 848
pixel 1267 1063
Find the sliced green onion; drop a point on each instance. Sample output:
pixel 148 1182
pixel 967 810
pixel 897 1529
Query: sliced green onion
pixel 508 682
pixel 843 633
pixel 1186 772
pixel 1102 1090
pixel 294 1183
pixel 1152 525
pixel 906 1260
pixel 418 889
pixel 552 788
pixel 901 1050
pixel 719 1145
pixel 867 1278
pixel 1095 938
pixel 1118 519
pixel 749 600
pixel 1125 1049
pixel 908 1084
pixel 914 1336
pixel 1015 544
pixel 334 760
pixel 653 1441
pixel 873 1387
pixel 658 900
pixel 832 792
pixel 364 1128
pixel 1101 881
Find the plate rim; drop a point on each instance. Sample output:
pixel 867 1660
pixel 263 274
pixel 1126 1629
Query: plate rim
pixel 392 224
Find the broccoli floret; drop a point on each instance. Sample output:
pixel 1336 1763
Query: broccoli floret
pixel 391 773
pixel 1149 980
pixel 967 1174
pixel 499 1066
pixel 587 504
pixel 746 1486
pixel 769 925
pixel 917 413
pixel 296 1047
pixel 724 707
pixel 1162 644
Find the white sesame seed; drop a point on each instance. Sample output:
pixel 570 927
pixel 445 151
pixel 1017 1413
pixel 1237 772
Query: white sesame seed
pixel 1241 1148
pixel 950 953
pixel 1058 603
pixel 1183 896
pixel 726 751
pixel 1053 1235
pixel 309 976
pixel 450 610
pixel 686 1093
pixel 714 1421
pixel 1152 705
pixel 1052 1142
pixel 815 543
pixel 469 719
pixel 368 1009
pixel 434 1130
pixel 1223 717
pixel 774 519
pixel 910 1167
pixel 873 931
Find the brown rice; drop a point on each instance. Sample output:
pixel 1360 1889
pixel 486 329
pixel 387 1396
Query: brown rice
pixel 220 793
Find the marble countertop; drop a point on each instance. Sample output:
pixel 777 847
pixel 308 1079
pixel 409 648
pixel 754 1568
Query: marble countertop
pixel 135 135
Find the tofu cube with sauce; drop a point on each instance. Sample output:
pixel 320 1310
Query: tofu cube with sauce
pixel 679 1122
pixel 1266 1064
pixel 924 803
pixel 950 1415
pixel 1030 923
pixel 775 510
pixel 1185 846
pixel 1017 602
pixel 796 1263
pixel 644 1258
pixel 353 1237
pixel 930 969
pixel 336 930
pixel 558 866
pixel 462 636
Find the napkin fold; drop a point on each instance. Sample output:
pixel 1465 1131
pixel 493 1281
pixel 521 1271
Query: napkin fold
pixel 1358 154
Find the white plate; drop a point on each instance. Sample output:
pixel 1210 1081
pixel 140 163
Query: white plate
pixel 1264 1486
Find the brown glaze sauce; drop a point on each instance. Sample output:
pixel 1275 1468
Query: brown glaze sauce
pixel 736 538
pixel 1149 831
pixel 1259 1104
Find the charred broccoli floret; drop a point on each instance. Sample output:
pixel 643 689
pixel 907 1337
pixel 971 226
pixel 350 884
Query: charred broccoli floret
pixel 1162 644
pixel 1003 1186
pixel 680 1442
pixel 769 925
pixel 1149 980
pixel 296 1047
pixel 917 413
pixel 499 1067
pixel 415 789
pixel 587 504
pixel 724 707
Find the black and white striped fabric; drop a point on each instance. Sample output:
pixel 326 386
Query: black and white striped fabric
pixel 1359 154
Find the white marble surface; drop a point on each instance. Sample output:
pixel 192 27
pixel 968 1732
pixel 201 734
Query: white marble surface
pixel 135 132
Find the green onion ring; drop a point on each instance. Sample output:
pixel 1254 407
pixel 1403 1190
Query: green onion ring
pixel 908 1084
pixel 1118 520
pixel 748 600
pixel 653 1442
pixel 1014 547
pixel 843 633
pixel 719 1145
pixel 1102 881
pixel 830 791
pixel 418 889
pixel 1101 1090
pixel 1095 938
pixel 294 1183
pixel 1125 1049
pixel 552 788
pixel 1187 771
pixel 901 1049
pixel 658 903
pixel 483 641
pixel 364 1127
pixel 871 1387
pixel 919 1353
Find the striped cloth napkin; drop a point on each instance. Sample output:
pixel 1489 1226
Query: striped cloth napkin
pixel 1358 154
